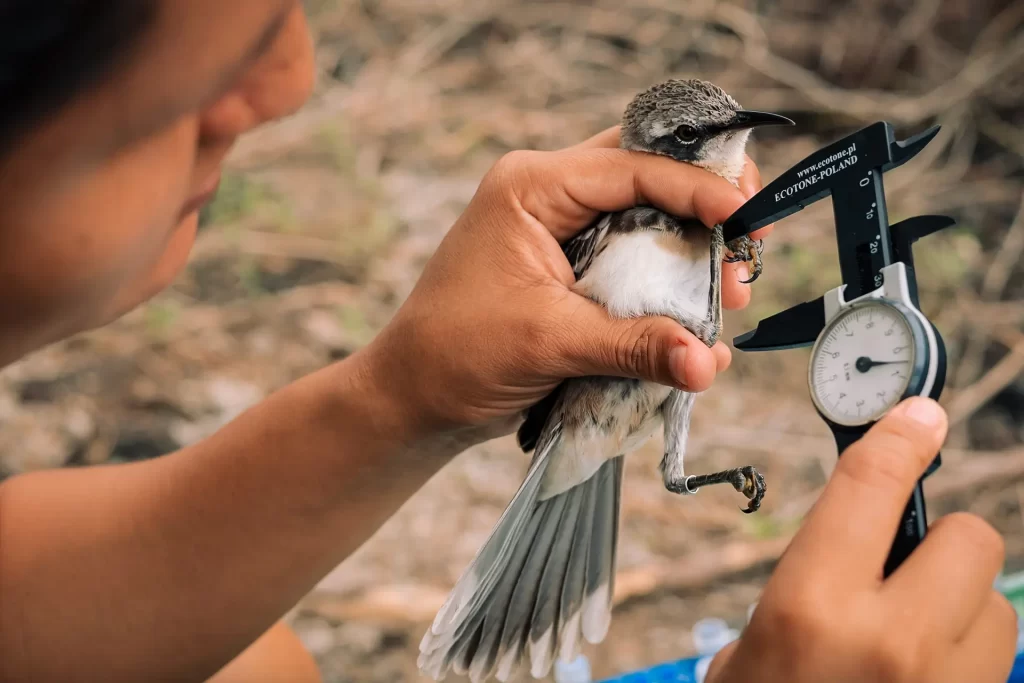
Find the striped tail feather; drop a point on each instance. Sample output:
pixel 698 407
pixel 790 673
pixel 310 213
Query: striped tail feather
pixel 543 579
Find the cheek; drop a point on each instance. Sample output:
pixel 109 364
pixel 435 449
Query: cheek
pixel 86 237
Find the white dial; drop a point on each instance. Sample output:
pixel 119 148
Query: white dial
pixel 862 364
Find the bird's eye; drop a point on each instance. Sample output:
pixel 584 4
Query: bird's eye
pixel 686 134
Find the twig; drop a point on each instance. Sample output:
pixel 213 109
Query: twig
pixel 998 274
pixel 976 74
pixel 966 401
pixel 257 243
pixel 975 472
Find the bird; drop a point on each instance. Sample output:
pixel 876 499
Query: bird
pixel 545 575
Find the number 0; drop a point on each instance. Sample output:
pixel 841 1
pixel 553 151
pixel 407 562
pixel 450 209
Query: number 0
pixel 864 181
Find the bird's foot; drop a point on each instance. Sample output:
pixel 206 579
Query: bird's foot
pixel 746 480
pixel 748 250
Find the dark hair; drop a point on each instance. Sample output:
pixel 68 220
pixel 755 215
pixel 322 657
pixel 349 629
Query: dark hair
pixel 53 50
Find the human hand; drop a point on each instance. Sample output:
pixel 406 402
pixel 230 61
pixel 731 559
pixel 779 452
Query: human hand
pixel 492 326
pixel 827 614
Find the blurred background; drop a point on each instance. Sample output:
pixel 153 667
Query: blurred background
pixel 325 220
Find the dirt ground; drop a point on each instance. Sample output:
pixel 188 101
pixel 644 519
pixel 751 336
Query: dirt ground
pixel 325 220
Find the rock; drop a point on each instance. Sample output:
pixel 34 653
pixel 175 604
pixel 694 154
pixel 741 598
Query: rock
pixel 44 436
pixel 222 399
pixel 324 328
pixel 316 634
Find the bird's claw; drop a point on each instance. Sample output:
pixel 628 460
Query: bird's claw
pixel 748 250
pixel 746 480
pixel 751 484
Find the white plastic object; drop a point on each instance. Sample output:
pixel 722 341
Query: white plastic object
pixel 750 611
pixel 709 636
pixel 576 671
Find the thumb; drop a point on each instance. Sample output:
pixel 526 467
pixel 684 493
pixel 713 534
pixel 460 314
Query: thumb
pixel 718 664
pixel 656 349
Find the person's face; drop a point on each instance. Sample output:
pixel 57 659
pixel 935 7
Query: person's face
pixel 99 207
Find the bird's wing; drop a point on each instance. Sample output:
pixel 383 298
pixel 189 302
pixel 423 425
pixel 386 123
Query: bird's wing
pixel 579 250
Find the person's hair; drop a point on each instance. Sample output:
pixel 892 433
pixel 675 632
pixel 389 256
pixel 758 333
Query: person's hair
pixel 53 50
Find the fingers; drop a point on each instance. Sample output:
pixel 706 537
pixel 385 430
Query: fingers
pixel 608 138
pixel 656 348
pixel 565 190
pixel 987 651
pixel 849 532
pixel 939 561
pixel 750 184
pixel 735 291
pixel 735 294
pixel 723 356
pixel 720 661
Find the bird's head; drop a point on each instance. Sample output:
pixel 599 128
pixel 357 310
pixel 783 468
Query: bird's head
pixel 693 121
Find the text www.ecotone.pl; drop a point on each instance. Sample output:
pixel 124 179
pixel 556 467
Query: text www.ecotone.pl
pixel 823 169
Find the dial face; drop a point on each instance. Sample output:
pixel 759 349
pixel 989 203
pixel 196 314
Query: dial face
pixel 862 366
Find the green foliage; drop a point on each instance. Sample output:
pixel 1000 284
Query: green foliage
pixel 160 316
pixel 763 526
pixel 248 272
pixel 354 322
pixel 240 197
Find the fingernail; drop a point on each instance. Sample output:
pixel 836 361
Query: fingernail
pixel 677 364
pixel 922 410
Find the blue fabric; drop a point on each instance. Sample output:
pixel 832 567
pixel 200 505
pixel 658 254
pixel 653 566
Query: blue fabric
pixel 684 671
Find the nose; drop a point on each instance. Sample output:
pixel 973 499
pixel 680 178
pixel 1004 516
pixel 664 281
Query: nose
pixel 276 85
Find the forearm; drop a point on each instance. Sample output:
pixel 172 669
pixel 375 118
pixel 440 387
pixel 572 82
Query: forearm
pixel 164 570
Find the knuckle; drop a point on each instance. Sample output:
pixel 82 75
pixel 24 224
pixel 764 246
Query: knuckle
pixel 898 660
pixel 882 460
pixel 636 350
pixel 1004 613
pixel 907 438
pixel 984 540
pixel 539 331
pixel 518 179
pixel 512 165
pixel 802 615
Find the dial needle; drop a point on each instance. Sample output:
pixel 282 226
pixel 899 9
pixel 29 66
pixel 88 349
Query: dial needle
pixel 864 363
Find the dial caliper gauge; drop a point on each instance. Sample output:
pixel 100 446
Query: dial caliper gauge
pixel 871 346
pixel 873 354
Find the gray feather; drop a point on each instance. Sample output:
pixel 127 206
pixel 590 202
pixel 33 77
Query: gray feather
pixel 555 578
pixel 571 601
pixel 545 621
pixel 600 582
pixel 524 600
pixel 485 568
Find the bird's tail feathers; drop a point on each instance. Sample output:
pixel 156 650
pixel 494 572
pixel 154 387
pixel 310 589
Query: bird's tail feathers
pixel 544 577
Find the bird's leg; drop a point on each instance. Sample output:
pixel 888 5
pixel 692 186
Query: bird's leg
pixel 675 413
pixel 746 249
pixel 677 408
pixel 746 480
pixel 714 321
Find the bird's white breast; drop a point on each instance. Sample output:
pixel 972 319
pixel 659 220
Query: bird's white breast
pixel 651 272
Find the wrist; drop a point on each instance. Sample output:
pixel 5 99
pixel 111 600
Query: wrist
pixel 363 397
pixel 396 406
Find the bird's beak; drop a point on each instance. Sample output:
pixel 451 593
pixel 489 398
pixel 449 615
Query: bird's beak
pixel 753 119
